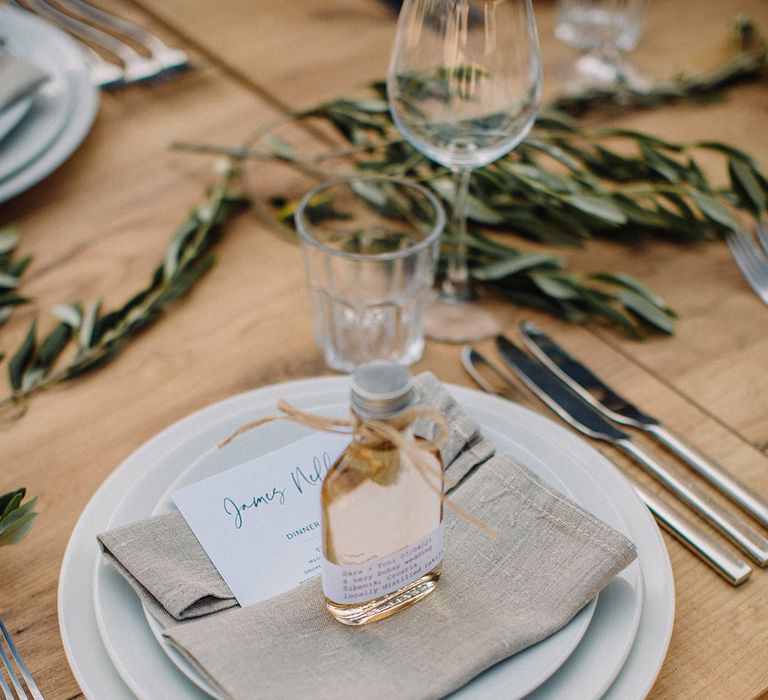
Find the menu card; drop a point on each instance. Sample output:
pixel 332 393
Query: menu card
pixel 259 522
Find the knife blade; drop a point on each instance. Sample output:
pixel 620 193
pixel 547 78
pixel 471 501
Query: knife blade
pixel 591 388
pixel 591 422
pixel 732 568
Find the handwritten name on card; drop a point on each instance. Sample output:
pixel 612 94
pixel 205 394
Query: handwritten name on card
pixel 259 522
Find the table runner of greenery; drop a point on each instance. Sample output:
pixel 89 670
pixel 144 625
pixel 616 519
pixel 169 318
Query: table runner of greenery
pixel 564 185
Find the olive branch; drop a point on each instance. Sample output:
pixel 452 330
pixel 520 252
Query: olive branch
pixel 564 185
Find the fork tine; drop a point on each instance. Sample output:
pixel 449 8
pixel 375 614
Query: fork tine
pixel 103 73
pixel 12 675
pixel 25 674
pixel 5 687
pixel 751 262
pixel 762 235
pixel 172 59
pixel 136 68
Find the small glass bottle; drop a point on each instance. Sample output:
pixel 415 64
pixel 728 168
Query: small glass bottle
pixel 382 515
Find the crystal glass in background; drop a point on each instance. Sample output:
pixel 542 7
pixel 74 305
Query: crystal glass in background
pixel 603 30
pixel 370 250
pixel 464 84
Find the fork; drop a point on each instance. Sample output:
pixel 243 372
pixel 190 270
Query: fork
pixel 21 694
pixel 751 260
pixel 136 67
pixel 103 73
pixel 170 59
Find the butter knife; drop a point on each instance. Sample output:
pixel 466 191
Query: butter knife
pixel 593 390
pixel 591 422
pixel 732 568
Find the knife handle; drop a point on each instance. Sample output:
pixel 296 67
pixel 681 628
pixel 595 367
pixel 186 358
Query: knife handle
pixel 712 553
pixel 716 475
pixel 742 534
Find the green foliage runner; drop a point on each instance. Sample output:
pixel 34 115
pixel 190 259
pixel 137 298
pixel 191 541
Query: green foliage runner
pixel 563 185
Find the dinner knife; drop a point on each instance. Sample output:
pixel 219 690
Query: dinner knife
pixel 591 422
pixel 729 566
pixel 591 388
pixel 732 568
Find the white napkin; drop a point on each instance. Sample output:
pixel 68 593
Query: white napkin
pixel 18 78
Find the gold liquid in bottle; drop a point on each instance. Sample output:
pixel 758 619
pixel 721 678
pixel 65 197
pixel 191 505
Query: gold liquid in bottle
pixel 381 515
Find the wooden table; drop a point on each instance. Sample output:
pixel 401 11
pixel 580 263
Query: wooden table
pixel 98 225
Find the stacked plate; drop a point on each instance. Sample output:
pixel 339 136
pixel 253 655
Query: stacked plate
pixel 613 648
pixel 39 132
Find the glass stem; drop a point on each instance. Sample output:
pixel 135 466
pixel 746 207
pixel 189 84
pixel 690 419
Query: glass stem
pixel 456 285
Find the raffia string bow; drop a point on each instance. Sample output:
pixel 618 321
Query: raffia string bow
pixel 409 445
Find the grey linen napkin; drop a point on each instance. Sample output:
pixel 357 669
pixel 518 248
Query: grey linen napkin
pixel 164 563
pixel 17 78
pixel 496 597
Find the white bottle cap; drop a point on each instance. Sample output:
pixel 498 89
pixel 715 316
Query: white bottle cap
pixel 381 390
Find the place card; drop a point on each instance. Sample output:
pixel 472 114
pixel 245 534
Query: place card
pixel 259 522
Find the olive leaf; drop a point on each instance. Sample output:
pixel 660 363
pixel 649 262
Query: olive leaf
pixel 23 358
pixel 511 265
pixel 16 520
pixel 11 271
pixel 52 346
pixel 9 239
pixel 745 180
pixel 71 314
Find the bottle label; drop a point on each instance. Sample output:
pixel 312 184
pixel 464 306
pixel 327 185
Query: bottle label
pixel 348 584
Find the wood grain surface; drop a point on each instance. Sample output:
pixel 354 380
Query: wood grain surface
pixel 97 226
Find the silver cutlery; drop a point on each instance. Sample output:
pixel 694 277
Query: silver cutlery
pixel 103 73
pixel 472 361
pixel 17 684
pixel 732 568
pixel 593 390
pixel 135 67
pixel 751 260
pixel 169 58
pixel 591 422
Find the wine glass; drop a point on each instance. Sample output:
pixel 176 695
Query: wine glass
pixel 464 85
pixel 602 30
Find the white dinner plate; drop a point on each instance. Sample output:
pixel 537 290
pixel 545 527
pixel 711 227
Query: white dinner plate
pixel 62 111
pixel 11 116
pixel 113 600
pixel 529 669
pixel 179 445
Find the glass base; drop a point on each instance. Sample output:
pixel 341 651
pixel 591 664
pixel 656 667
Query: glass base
pixel 594 70
pixel 387 605
pixel 460 322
